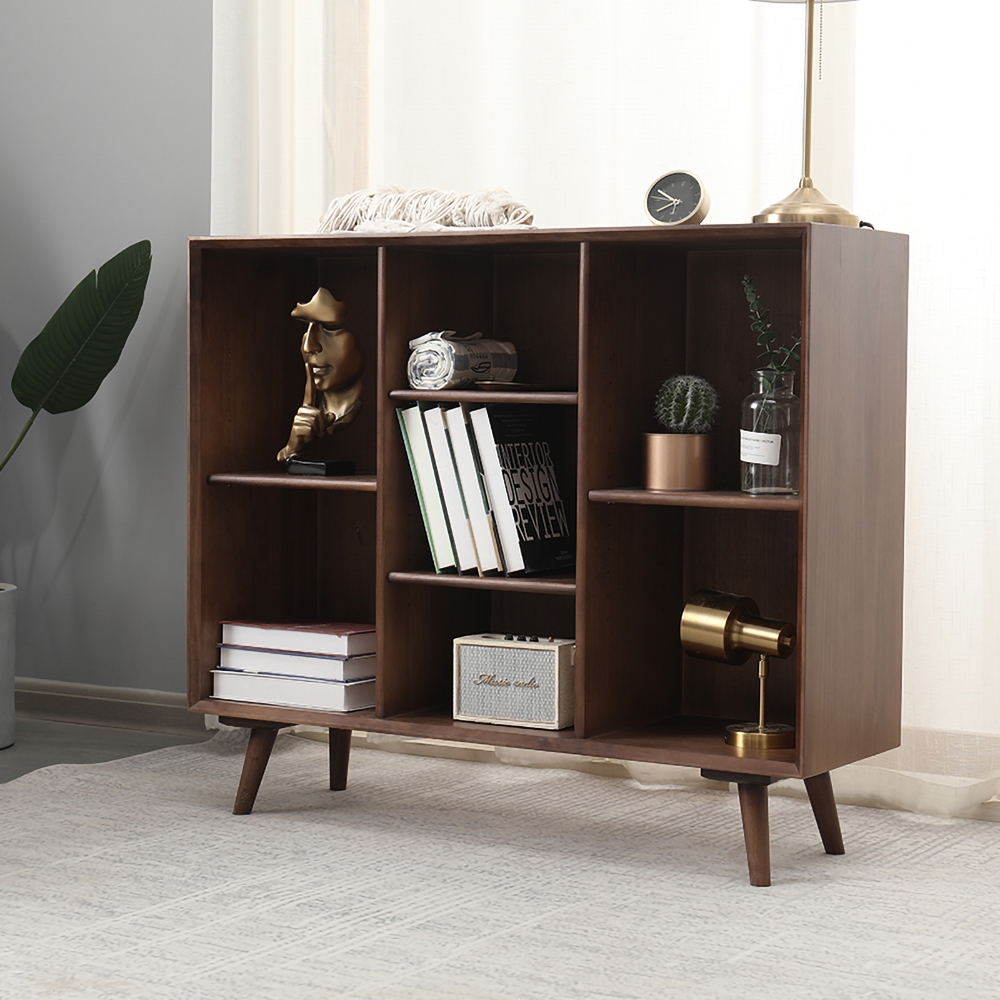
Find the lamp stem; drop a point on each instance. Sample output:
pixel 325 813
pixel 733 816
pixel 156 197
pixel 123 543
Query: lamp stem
pixel 762 674
pixel 807 140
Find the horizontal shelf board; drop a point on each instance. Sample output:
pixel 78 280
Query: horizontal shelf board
pixel 282 480
pixel 531 584
pixel 685 742
pixel 694 498
pixel 564 398
pixel 775 235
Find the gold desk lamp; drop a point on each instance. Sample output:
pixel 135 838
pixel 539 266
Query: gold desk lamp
pixel 806 203
pixel 728 628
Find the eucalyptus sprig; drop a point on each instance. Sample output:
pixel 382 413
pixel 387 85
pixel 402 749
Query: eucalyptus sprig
pixel 774 357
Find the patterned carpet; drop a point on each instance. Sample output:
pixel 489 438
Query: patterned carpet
pixel 434 879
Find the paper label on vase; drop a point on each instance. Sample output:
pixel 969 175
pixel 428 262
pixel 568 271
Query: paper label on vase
pixel 760 449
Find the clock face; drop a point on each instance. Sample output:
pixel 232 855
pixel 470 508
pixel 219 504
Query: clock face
pixel 677 198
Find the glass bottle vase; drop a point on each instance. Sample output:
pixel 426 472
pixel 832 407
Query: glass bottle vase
pixel 769 435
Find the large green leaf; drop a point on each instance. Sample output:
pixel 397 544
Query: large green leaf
pixel 64 366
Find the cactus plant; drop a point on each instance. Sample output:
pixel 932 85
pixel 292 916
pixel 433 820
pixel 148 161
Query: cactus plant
pixel 686 404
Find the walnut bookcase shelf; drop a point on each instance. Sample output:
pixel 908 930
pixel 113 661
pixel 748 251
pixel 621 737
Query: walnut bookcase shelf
pixel 607 314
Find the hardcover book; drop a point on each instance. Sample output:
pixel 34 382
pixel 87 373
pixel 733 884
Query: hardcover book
pixel 273 661
pixel 425 482
pixel 517 445
pixel 324 638
pixel 297 692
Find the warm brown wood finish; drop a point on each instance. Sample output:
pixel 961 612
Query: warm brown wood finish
pixel 753 807
pixel 340 756
pixel 599 318
pixel 824 807
pixel 254 764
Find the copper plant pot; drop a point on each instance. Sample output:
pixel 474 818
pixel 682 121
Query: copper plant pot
pixel 678 461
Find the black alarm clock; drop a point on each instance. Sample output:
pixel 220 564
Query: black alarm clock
pixel 677 199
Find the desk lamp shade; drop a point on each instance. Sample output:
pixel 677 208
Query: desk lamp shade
pixel 806 203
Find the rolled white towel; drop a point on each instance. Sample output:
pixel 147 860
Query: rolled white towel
pixel 444 360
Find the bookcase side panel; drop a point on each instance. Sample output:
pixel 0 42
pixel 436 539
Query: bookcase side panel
pixel 629 563
pixel 419 291
pixel 854 491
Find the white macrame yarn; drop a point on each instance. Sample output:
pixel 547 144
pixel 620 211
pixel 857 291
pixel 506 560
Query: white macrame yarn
pixel 391 209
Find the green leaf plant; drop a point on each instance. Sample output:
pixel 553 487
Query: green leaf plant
pixel 773 356
pixel 64 366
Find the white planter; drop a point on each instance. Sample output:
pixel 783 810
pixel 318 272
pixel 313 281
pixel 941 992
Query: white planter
pixel 8 616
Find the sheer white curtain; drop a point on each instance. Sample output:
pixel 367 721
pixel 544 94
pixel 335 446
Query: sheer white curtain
pixel 289 111
pixel 575 106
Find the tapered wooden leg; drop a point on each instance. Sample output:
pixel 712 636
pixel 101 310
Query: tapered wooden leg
pixel 340 754
pixel 824 807
pixel 753 806
pixel 258 754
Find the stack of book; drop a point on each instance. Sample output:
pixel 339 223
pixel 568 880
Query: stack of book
pixel 486 484
pixel 327 666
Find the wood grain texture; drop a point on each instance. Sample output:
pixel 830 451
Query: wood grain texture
pixel 340 756
pixel 608 313
pixel 283 481
pixel 824 807
pixel 254 764
pixel 730 499
pixel 854 424
pixel 756 833
pixel 685 742
pixel 632 336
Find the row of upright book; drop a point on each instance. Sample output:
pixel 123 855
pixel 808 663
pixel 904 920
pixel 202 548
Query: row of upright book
pixel 325 666
pixel 486 482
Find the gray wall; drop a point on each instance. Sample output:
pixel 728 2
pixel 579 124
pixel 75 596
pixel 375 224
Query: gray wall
pixel 105 117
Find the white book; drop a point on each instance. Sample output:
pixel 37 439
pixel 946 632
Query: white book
pixel 472 491
pixel 272 661
pixel 496 491
pixel 428 494
pixel 323 639
pixel 297 692
pixel 454 506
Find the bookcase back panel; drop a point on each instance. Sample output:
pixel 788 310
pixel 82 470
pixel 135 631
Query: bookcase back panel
pixel 544 615
pixel 416 626
pixel 632 339
pixel 345 556
pixel 629 585
pixel 257 561
pixel 247 374
pixel 720 344
pixel 536 307
pixel 754 554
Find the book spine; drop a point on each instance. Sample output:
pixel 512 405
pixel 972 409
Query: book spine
pixel 454 505
pixel 472 491
pixel 425 482
pixel 496 490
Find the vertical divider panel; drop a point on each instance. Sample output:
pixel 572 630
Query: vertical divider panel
pixel 419 290
pixel 630 558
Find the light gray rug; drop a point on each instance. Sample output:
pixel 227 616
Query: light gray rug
pixel 433 879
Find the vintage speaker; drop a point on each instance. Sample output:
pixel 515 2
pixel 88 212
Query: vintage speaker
pixel 516 680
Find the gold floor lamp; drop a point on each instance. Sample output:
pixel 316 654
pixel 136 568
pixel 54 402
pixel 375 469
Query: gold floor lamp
pixel 806 203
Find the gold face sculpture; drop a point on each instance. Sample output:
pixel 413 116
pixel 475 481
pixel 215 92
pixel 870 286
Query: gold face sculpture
pixel 334 361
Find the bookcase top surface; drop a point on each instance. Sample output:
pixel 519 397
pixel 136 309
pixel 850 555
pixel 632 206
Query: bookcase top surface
pixel 782 235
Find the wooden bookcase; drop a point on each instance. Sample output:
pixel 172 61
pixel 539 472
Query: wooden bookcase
pixel 607 314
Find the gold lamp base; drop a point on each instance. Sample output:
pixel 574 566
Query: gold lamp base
pixel 807 204
pixel 750 736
